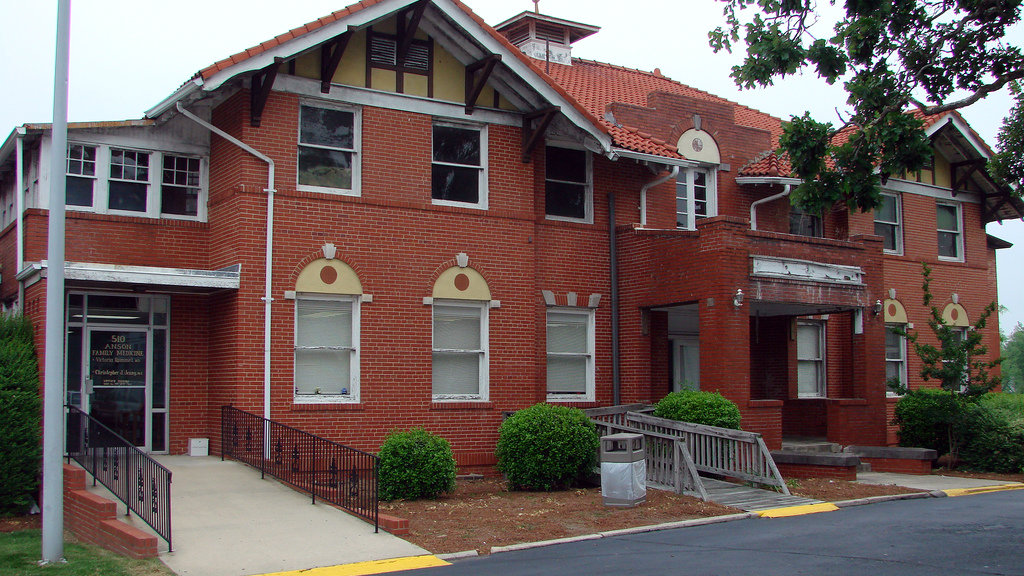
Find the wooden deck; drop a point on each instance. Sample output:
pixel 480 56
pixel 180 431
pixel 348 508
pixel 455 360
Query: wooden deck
pixel 747 498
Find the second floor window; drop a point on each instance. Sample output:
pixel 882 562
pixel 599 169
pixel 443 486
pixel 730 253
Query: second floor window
pixel 328 150
pixel 803 223
pixel 567 189
pixel 888 224
pixel 458 175
pixel 950 235
pixel 695 197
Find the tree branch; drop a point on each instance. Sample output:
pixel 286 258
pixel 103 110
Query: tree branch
pixel 978 95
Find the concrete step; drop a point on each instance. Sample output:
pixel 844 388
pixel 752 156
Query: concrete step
pixel 810 445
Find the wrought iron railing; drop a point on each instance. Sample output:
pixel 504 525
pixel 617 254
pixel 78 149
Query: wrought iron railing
pixel 712 450
pixel 130 474
pixel 327 470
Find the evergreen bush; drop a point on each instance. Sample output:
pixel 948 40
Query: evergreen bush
pixel 698 407
pixel 930 418
pixel 20 416
pixel 995 434
pixel 415 464
pixel 547 447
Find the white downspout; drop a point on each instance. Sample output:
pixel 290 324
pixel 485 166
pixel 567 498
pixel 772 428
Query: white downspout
pixel 756 203
pixel 19 208
pixel 267 290
pixel 656 182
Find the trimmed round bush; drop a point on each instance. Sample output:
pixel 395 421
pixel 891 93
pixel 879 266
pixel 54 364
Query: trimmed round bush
pixel 926 418
pixel 20 414
pixel 699 407
pixel 547 447
pixel 415 464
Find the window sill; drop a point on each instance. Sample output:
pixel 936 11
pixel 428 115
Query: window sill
pixel 327 407
pixel 951 259
pixel 461 405
pixel 567 399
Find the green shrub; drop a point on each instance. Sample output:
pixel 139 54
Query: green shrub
pixel 930 418
pixel 415 464
pixel 995 434
pixel 20 406
pixel 708 408
pixel 545 447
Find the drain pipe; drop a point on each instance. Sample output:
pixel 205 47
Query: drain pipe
pixel 656 182
pixel 267 290
pixel 756 203
pixel 613 254
pixel 19 208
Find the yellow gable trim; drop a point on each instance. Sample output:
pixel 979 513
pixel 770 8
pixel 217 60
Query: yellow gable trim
pixel 894 311
pixel 461 284
pixel 328 277
pixel 955 315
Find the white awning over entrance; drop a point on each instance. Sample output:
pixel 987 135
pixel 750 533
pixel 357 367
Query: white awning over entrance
pixel 87 272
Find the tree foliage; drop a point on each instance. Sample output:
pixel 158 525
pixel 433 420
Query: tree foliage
pixel 1012 368
pixel 20 414
pixel 1007 167
pixel 892 54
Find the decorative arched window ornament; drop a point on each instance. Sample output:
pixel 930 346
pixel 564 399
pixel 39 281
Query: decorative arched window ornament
pixel 895 313
pixel 458 283
pixel 955 314
pixel 324 276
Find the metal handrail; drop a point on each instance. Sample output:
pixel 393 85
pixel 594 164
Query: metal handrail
pixel 332 472
pixel 735 453
pixel 134 477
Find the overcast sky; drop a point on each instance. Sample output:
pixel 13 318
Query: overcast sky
pixel 126 56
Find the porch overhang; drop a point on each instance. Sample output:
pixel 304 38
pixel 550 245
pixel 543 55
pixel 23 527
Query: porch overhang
pixel 89 274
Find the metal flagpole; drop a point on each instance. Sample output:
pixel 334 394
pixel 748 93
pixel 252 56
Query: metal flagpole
pixel 53 384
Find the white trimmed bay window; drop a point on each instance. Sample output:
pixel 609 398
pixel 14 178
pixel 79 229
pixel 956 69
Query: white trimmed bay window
pixel 570 354
pixel 326 349
pixel 459 361
pixel 695 197
pixel 148 183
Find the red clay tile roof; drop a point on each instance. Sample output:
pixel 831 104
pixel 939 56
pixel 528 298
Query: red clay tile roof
pixel 768 164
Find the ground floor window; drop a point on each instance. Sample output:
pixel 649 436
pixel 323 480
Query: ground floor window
pixel 895 359
pixel 326 349
pixel 459 360
pixel 570 354
pixel 810 354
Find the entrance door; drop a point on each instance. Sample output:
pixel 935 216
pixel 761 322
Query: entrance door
pixel 117 385
pixel 685 363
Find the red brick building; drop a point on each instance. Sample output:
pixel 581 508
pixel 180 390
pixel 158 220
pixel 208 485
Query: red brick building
pixel 400 216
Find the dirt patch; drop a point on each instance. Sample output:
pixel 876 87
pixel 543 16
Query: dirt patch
pixel 838 490
pixel 16 523
pixel 482 513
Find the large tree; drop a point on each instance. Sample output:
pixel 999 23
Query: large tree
pixel 1013 360
pixel 893 55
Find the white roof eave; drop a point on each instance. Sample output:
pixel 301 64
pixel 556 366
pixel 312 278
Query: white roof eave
pixel 226 278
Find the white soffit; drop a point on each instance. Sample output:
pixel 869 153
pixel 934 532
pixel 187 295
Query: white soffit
pixel 226 278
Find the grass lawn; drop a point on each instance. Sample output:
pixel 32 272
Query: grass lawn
pixel 20 552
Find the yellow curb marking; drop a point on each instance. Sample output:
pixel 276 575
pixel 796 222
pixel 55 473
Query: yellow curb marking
pixel 371 567
pixel 798 510
pixel 983 489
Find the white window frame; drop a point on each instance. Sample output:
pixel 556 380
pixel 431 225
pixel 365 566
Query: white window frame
pixel 897 225
pixel 901 362
pixel 96 168
pixel 959 232
pixel 355 151
pixel 588 217
pixel 200 199
pixel 711 192
pixel 481 203
pixel 353 396
pixel 483 353
pixel 102 179
pixel 589 395
pixel 148 182
pixel 822 388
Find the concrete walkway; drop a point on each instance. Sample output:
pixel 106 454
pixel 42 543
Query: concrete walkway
pixel 927 481
pixel 226 521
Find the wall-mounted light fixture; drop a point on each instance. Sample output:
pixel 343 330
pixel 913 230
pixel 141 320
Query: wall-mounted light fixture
pixel 877 308
pixel 737 299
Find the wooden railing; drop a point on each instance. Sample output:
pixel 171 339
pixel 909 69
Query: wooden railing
pixel 694 447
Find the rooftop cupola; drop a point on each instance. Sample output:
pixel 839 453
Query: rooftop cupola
pixel 545 37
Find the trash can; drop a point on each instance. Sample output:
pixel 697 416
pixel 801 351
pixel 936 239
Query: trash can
pixel 623 470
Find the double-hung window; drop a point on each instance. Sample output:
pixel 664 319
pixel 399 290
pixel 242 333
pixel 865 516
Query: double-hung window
pixel 567 186
pixel 458 168
pixel 328 150
pixel 810 355
pixel 695 197
pixel 128 187
pixel 570 354
pixel 950 236
pixel 460 351
pixel 81 175
pixel 888 224
pixel 803 223
pixel 180 186
pixel 895 358
pixel 326 349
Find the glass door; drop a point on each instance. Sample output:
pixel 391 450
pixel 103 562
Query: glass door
pixel 685 363
pixel 118 380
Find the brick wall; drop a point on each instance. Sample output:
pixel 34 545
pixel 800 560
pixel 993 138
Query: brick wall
pixel 94 519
